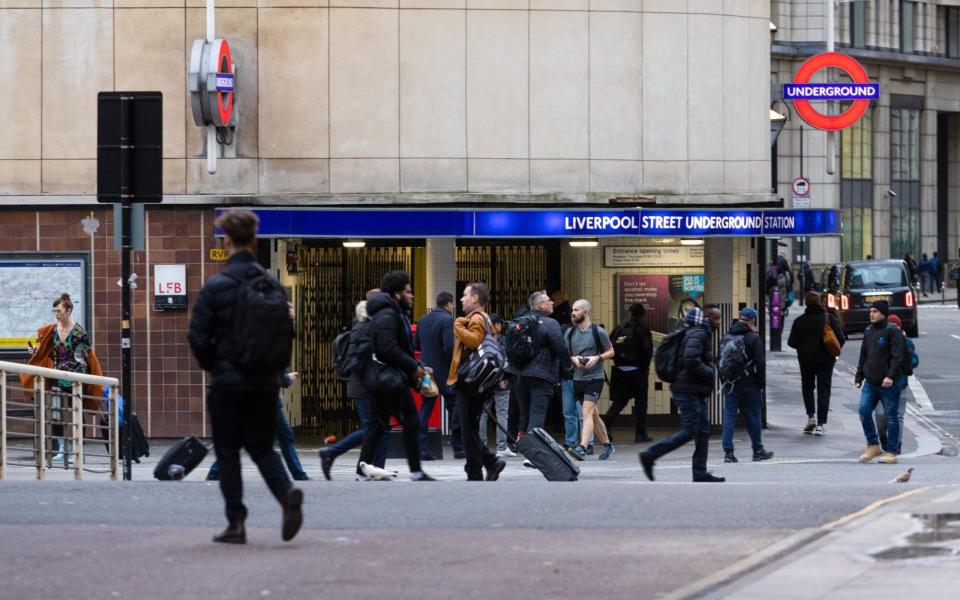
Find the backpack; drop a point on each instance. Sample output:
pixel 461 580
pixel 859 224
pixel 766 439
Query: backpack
pixel 484 368
pixel 667 357
pixel 597 344
pixel 625 345
pixel 910 359
pixel 262 328
pixel 520 338
pixel 341 349
pixel 359 350
pixel 733 361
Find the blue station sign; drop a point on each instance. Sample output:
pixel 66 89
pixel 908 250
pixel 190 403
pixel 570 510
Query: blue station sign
pixel 529 223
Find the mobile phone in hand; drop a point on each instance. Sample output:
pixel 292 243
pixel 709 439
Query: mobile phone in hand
pixel 584 360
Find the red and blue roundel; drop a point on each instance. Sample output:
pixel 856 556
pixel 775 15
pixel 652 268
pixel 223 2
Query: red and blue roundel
pixel 860 92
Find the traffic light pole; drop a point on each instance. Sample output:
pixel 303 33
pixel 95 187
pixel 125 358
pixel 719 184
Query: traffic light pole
pixel 125 233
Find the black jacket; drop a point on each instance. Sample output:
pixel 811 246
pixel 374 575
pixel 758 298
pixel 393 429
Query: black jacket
pixel 881 354
pixel 355 388
pixel 697 374
pixel 642 351
pixel 211 333
pixel 756 373
pixel 390 331
pixel 806 336
pixel 434 339
pixel 553 353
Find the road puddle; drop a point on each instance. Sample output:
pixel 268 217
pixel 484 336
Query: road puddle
pixel 934 536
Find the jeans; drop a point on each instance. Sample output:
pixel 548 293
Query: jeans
pixel 402 407
pixel 744 397
pixel 695 425
pixel 287 449
pixel 501 401
pixel 901 409
pixel 572 414
pixel 453 419
pixel 625 385
pixel 426 409
pixel 533 398
pixel 821 377
pixel 870 395
pixel 355 439
pixel 478 455
pixel 245 419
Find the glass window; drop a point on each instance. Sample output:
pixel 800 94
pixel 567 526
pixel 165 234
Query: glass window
pixel 858 24
pixel 953 32
pixel 904 181
pixel 874 276
pixel 856 188
pixel 906 25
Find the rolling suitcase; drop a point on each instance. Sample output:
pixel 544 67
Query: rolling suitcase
pixel 539 448
pixel 188 453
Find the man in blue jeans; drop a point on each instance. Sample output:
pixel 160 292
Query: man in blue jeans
pixel 744 394
pixel 434 340
pixel 878 371
pixel 691 386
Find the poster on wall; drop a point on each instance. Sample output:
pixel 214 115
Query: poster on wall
pixel 666 298
pixel 29 283
pixel 653 256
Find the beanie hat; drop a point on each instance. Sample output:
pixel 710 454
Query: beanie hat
pixel 883 306
pixel 748 314
pixel 895 320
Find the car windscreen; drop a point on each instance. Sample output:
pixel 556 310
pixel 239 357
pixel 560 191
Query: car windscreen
pixel 876 276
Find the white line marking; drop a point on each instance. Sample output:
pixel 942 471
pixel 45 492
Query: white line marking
pixel 953 335
pixel 920 394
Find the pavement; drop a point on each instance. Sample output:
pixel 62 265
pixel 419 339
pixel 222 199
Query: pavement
pixel 947 296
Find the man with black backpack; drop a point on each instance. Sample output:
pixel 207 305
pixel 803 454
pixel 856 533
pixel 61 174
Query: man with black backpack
pixel 535 348
pixel 241 331
pixel 589 346
pixel 743 374
pixel 629 378
pixel 692 380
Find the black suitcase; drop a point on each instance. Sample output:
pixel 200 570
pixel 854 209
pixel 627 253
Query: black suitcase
pixel 139 442
pixel 188 453
pixel 547 456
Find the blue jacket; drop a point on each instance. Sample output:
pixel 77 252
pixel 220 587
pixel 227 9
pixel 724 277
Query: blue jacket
pixel 434 339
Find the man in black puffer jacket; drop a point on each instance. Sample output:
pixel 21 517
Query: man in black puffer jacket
pixel 816 364
pixel 744 394
pixel 690 388
pixel 393 345
pixel 878 371
pixel 242 405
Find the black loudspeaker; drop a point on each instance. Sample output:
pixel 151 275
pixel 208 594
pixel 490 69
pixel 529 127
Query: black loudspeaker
pixel 129 147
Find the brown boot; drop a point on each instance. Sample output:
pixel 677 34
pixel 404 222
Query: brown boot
pixel 888 458
pixel 872 451
pixel 292 514
pixel 235 533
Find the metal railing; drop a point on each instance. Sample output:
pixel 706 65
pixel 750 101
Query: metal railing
pixel 36 411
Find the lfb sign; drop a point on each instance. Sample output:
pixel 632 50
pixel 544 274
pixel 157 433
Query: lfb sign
pixel 170 287
pixel 859 93
pixel 212 84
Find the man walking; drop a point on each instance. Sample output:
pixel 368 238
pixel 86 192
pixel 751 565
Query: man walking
pixel 469 332
pixel 629 378
pixel 534 380
pixel 744 394
pixel 816 362
pixel 434 339
pixel 246 359
pixel 878 371
pixel 589 346
pixel 392 345
pixel 690 387
pixel 910 362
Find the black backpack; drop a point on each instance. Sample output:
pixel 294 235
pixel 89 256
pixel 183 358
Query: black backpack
pixel 262 328
pixel 520 338
pixel 668 357
pixel 483 369
pixel 625 345
pixel 568 335
pixel 341 348
pixel 733 361
pixel 359 350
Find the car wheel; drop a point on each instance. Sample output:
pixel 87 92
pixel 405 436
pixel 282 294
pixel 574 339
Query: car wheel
pixel 914 330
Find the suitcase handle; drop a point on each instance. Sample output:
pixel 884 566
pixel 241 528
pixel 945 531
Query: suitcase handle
pixel 511 443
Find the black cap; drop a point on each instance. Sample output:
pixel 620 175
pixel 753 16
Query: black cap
pixel 883 306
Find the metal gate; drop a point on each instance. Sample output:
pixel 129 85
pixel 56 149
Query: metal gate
pixel 332 280
pixel 513 272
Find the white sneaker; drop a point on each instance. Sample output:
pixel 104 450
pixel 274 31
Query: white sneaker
pixel 506 453
pixel 819 430
pixel 811 425
pixel 528 464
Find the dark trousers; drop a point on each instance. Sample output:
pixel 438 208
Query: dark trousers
pixel 695 425
pixel 453 419
pixel 287 449
pixel 533 399
pixel 355 439
pixel 821 377
pixel 246 419
pixel 478 455
pixel 426 409
pixel 405 411
pixel 624 386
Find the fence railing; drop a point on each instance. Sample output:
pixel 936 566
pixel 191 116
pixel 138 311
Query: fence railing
pixel 45 425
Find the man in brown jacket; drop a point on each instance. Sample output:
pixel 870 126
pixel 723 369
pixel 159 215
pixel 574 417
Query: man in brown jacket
pixel 468 333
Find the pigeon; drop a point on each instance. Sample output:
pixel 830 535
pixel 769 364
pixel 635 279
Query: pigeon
pixel 376 473
pixel 903 477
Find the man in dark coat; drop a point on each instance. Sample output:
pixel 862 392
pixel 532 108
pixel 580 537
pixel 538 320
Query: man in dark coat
pixel 878 371
pixel 690 389
pixel 816 364
pixel 393 346
pixel 434 339
pixel 242 405
pixel 745 394
pixel 630 375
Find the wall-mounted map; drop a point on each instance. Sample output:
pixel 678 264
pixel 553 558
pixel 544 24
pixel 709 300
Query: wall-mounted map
pixel 29 283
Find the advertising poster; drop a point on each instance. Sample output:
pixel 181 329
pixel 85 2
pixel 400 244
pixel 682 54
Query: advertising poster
pixel 665 297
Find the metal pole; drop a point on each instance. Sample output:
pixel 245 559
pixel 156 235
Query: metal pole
pixel 125 283
pixel 3 425
pixel 211 130
pixel 76 401
pixel 831 135
pixel 40 392
pixel 114 434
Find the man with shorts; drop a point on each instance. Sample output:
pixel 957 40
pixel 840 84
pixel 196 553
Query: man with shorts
pixel 589 346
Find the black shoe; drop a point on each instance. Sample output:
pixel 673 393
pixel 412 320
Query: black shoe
pixel 460 455
pixel 590 450
pixel 213 477
pixel 730 457
pixel 301 477
pixel 427 456
pixel 709 478
pixel 647 464
pixel 762 454
pixel 493 472
pixel 326 463
pixel 235 533
pixel 422 477
pixel 292 513
pixel 642 438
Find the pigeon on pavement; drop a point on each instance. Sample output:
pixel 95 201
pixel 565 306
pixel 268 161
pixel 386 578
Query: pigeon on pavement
pixel 904 477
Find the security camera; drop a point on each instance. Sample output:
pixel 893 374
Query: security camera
pixel 892 193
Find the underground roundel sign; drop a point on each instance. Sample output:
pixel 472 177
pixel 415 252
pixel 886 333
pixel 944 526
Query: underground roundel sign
pixel 859 93
pixel 211 83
